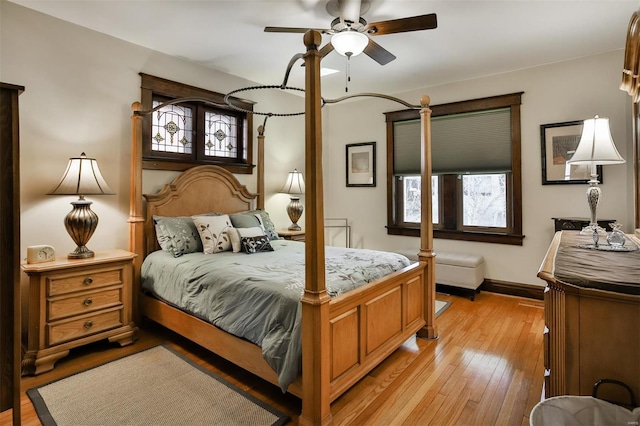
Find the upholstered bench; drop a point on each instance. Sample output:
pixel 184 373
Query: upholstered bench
pixel 464 271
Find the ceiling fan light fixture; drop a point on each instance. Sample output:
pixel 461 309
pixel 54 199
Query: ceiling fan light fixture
pixel 349 43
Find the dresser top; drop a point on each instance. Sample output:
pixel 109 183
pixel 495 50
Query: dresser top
pixel 604 270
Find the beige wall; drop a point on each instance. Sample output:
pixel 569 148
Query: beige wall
pixel 567 91
pixel 80 84
pixel 79 87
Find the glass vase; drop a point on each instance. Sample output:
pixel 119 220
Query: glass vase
pixel 616 237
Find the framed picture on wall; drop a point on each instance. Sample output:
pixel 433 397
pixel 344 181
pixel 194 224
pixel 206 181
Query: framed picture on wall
pixel 559 142
pixel 361 164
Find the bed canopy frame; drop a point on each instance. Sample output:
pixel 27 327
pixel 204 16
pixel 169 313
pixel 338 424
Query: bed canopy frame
pixel 631 85
pixel 328 370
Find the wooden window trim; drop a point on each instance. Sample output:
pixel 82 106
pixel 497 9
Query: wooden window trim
pixel 448 228
pixel 156 86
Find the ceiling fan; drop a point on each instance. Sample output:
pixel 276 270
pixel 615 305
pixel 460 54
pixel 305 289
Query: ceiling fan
pixel 351 33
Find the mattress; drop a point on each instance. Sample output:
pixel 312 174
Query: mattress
pixel 257 296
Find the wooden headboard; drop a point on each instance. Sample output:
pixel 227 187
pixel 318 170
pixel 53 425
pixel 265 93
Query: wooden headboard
pixel 199 190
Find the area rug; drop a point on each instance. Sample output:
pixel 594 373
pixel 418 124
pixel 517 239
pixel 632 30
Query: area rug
pixel 441 306
pixel 158 386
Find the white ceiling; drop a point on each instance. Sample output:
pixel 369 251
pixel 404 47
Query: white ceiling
pixel 473 38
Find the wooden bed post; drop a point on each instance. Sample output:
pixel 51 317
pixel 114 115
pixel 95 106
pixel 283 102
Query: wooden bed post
pixel 260 202
pixel 136 218
pixel 426 254
pixel 315 302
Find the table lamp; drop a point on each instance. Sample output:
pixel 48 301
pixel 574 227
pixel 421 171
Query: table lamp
pixel 81 178
pixel 596 147
pixel 294 186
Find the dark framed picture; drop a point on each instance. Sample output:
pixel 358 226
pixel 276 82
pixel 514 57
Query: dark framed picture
pixel 361 164
pixel 559 142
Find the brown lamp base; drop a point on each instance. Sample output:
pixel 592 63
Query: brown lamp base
pixel 81 223
pixel 294 209
pixel 81 253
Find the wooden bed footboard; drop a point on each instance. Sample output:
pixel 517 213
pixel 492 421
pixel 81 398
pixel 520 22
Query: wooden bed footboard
pixel 369 323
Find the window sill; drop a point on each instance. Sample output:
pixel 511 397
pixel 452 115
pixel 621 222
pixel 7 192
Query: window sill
pixel 446 234
pixel 155 164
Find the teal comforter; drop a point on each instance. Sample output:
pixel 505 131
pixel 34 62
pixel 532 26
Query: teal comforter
pixel 257 296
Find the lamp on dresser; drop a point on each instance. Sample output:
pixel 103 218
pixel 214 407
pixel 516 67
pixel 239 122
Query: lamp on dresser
pixel 596 147
pixel 294 186
pixel 82 177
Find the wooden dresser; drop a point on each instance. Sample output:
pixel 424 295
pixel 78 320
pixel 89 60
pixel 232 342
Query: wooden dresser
pixel 73 302
pixel 592 316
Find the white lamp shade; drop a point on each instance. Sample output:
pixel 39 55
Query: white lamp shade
pixel 294 183
pixel 596 145
pixel 82 177
pixel 349 43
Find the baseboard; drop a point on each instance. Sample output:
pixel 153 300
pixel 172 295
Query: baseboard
pixel 513 289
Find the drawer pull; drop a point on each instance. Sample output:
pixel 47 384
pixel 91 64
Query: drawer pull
pixel 88 324
pixel 87 302
pixel 88 281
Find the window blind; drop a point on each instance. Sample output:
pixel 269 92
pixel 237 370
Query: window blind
pixel 477 142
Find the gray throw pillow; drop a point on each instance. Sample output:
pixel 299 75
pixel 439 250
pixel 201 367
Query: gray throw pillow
pixel 251 218
pixel 177 235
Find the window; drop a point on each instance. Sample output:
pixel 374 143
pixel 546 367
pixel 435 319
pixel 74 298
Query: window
pixel 179 136
pixel 476 182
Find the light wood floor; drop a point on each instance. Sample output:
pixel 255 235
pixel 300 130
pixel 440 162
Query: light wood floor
pixel 486 368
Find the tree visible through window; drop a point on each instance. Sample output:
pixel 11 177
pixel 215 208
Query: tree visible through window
pixel 484 200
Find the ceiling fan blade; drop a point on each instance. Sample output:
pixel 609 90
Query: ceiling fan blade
pixel 402 25
pixel 378 53
pixel 295 30
pixel 349 10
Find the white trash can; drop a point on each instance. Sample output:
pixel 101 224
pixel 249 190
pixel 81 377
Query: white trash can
pixel 582 410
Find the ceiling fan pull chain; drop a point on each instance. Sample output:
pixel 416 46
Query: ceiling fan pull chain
pixel 348 76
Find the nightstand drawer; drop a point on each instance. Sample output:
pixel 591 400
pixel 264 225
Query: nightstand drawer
pixel 62 283
pixel 296 237
pixel 64 331
pixel 82 303
pixel 288 234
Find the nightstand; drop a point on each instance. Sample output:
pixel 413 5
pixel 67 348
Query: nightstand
pixel 73 302
pixel 291 235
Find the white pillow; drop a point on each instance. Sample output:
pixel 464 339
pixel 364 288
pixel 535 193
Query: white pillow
pixel 214 232
pixel 236 235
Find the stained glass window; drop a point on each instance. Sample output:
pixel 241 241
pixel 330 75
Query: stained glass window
pixel 200 128
pixel 221 135
pixel 172 129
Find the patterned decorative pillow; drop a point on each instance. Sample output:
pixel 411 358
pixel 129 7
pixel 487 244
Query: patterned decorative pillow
pixel 256 244
pixel 267 224
pixel 251 218
pixel 177 235
pixel 236 244
pixel 214 232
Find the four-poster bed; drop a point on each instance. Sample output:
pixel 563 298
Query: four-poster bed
pixel 343 337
